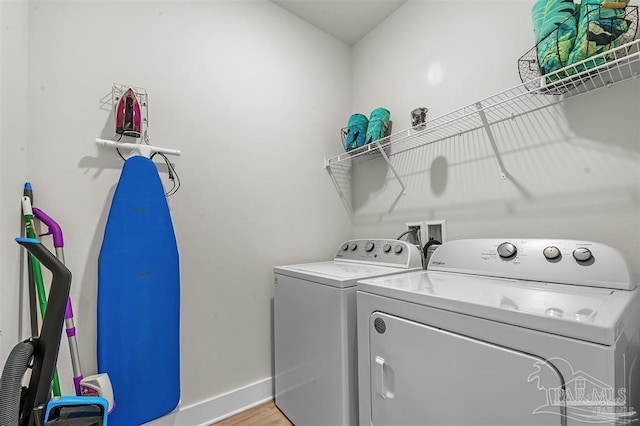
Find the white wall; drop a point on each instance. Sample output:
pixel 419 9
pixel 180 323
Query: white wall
pixel 14 325
pixel 254 98
pixel 575 169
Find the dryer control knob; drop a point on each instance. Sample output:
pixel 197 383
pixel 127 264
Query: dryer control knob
pixel 345 247
pixel 386 248
pixel 507 250
pixel 551 252
pixel 398 249
pixel 354 246
pixel 369 246
pixel 582 254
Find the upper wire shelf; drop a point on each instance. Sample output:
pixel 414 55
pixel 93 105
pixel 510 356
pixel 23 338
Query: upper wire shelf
pixel 622 63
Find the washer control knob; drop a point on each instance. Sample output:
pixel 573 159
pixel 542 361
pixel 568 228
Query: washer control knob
pixel 554 312
pixel 369 246
pixel 345 247
pixel 507 250
pixel 582 254
pixel 386 248
pixel 551 252
pixel 398 249
pixel 354 246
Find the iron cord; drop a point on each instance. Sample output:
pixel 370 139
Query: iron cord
pixel 173 175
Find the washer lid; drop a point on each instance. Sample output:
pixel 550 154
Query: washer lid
pixel 592 314
pixel 335 273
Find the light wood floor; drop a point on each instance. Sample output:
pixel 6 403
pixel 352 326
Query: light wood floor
pixel 263 415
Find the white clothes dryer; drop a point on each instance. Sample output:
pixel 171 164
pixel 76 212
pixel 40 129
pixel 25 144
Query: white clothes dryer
pixel 502 332
pixel 315 329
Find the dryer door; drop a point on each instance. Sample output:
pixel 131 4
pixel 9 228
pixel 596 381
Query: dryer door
pixel 422 375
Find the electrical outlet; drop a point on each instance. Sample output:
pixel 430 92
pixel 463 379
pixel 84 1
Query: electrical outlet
pixel 427 230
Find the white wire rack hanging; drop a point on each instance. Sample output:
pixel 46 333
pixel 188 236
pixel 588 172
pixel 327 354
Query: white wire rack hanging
pixel 144 148
pixel 620 64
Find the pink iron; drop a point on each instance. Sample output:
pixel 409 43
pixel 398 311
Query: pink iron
pixel 128 116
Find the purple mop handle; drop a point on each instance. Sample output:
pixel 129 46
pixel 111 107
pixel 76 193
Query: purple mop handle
pixel 54 228
pixel 58 242
pixel 68 314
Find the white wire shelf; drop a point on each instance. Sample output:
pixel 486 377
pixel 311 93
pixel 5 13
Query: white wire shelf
pixel 620 64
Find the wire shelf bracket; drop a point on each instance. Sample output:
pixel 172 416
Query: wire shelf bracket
pixel 492 140
pixel 393 170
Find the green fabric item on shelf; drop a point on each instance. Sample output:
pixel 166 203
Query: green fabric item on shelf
pixel 555 30
pixel 599 30
pixel 356 131
pixel 378 124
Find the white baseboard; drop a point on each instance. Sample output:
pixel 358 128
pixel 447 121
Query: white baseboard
pixel 209 411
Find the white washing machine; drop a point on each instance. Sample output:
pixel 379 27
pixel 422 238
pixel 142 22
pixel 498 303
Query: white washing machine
pixel 315 329
pixel 502 332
